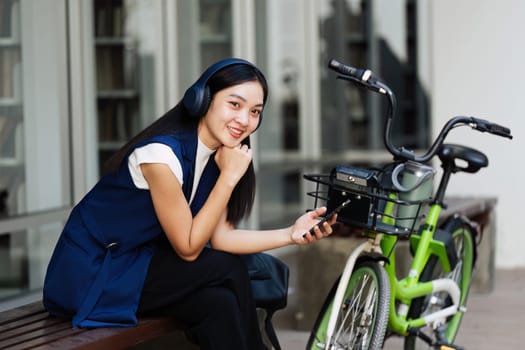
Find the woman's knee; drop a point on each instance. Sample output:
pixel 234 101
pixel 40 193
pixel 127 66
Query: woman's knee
pixel 231 265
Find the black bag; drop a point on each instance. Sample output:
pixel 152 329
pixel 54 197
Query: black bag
pixel 269 280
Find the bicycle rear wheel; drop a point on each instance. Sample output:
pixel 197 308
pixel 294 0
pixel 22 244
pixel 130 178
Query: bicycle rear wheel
pixel 445 330
pixel 363 317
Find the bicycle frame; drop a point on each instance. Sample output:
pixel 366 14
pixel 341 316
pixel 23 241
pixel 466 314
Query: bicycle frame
pixel 405 290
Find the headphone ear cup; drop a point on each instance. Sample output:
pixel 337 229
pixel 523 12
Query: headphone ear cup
pixel 192 100
pixel 205 102
pixel 197 100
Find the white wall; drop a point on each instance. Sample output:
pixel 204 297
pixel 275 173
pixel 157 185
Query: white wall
pixel 478 68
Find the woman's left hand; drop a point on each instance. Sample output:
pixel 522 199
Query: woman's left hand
pixel 301 233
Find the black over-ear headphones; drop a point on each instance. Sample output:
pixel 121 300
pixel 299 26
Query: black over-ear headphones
pixel 198 97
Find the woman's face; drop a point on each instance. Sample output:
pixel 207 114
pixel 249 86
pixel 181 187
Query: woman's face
pixel 232 116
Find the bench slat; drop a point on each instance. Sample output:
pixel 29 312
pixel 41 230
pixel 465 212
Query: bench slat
pixel 31 327
pixel 114 338
pixel 9 316
pixel 48 338
pixel 45 328
pixel 36 327
pixel 20 322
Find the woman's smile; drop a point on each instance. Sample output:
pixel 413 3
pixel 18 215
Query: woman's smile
pixel 235 132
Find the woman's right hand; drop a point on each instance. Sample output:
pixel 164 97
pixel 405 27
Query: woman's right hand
pixel 233 162
pixel 307 228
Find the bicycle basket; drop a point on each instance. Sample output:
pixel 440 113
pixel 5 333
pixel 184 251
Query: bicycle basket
pixel 373 204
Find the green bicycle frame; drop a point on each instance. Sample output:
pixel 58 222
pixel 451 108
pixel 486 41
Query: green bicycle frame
pixel 405 290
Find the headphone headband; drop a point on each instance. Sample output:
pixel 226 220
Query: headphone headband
pixel 197 97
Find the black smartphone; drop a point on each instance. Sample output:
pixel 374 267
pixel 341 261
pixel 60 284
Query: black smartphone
pixel 328 216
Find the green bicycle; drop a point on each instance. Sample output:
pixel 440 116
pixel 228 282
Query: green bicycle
pixel 387 204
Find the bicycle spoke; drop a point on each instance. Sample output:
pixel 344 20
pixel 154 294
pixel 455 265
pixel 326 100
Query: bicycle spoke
pixel 357 316
pixel 362 318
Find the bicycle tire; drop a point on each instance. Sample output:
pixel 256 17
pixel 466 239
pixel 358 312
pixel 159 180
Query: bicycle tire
pixel 464 246
pixel 362 322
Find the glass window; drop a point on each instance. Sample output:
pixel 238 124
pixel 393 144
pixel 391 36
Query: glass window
pixel 279 149
pixel 24 255
pixel 345 36
pixel 215 26
pixel 34 143
pixel 35 184
pixel 204 31
pixel 381 37
pixel 12 174
pixel 127 48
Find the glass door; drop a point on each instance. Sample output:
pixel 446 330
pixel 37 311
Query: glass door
pixel 13 273
pixel 280 150
pixel 215 26
pixel 35 188
pixel 128 45
pixel 381 36
pixel 12 175
pixel 203 36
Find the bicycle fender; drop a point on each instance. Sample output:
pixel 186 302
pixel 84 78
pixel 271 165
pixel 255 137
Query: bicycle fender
pixel 373 257
pixel 459 220
pixel 474 229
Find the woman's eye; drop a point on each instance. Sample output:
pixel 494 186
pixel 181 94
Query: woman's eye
pixel 257 112
pixel 234 104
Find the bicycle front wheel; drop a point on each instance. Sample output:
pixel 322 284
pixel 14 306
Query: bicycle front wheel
pixel 363 316
pixel 445 330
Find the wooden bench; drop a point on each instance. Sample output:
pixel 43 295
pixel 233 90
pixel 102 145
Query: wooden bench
pixel 31 327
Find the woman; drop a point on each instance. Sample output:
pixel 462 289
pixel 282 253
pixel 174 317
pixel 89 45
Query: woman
pixel 156 234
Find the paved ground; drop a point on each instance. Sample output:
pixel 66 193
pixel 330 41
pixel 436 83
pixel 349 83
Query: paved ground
pixel 494 320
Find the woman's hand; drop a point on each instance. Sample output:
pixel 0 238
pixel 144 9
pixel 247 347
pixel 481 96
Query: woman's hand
pixel 302 226
pixel 233 162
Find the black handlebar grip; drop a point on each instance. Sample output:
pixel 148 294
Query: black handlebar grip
pixel 490 127
pixel 500 131
pixel 360 74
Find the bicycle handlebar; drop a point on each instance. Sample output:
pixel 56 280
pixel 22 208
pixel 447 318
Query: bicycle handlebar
pixel 365 78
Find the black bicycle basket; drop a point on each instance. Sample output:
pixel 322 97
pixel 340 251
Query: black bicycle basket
pixel 374 204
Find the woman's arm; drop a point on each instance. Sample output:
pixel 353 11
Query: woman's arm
pixel 188 235
pixel 228 239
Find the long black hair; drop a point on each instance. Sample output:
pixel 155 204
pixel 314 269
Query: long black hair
pixel 178 118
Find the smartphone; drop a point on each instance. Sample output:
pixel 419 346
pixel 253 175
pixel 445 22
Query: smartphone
pixel 328 216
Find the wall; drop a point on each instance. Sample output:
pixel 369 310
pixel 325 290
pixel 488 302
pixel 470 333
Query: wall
pixel 476 64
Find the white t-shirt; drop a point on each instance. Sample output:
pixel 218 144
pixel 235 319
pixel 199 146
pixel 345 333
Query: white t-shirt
pixel 161 153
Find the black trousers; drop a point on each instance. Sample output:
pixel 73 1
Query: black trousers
pixel 211 296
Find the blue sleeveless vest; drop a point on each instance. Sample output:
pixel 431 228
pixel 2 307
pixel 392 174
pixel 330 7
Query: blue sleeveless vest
pixel 101 259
